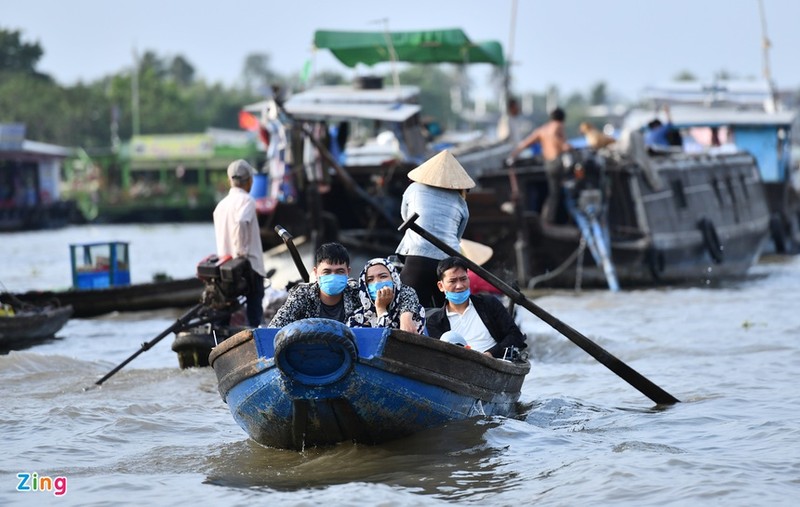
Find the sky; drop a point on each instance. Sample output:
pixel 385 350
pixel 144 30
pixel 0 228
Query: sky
pixel 572 44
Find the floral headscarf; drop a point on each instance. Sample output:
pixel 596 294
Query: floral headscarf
pixel 405 300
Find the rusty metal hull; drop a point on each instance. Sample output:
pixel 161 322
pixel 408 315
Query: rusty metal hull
pixel 397 384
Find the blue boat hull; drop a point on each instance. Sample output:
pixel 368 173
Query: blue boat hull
pixel 320 390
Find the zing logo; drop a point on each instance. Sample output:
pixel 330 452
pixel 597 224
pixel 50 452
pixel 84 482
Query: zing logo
pixel 32 482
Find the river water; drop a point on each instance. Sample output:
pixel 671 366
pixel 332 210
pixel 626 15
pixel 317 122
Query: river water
pixel 157 435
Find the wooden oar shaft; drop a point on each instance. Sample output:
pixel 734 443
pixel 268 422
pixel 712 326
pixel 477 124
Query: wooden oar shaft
pixel 176 326
pixel 287 240
pixel 614 364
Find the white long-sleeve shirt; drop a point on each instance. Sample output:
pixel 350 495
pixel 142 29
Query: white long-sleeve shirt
pixel 236 229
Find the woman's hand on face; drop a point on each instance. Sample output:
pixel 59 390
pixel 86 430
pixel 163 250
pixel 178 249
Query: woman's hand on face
pixel 383 299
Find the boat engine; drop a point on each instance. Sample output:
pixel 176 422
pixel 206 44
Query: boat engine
pixel 225 279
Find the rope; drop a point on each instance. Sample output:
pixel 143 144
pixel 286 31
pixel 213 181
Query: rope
pixel 552 274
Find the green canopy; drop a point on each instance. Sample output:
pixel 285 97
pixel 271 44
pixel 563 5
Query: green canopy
pixel 427 46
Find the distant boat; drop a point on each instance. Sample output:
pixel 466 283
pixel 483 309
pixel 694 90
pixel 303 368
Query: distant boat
pixel 743 114
pixel 101 284
pixel 661 216
pixel 317 382
pixel 181 293
pixel 22 325
pixel 374 132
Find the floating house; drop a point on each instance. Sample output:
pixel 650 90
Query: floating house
pixel 30 172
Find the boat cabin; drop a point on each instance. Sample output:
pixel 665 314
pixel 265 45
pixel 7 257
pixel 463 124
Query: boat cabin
pixel 100 265
pixel 765 135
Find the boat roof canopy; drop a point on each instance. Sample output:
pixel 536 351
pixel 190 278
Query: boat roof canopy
pixel 687 116
pixel 425 46
pixel 393 104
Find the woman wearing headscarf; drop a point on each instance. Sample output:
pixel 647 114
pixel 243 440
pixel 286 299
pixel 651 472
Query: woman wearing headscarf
pixel 438 195
pixel 385 301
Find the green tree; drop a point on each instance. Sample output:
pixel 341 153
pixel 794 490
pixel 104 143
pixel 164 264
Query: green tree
pixel 35 102
pixel 16 55
pixel 435 86
pixel 684 75
pixel 258 74
pixel 181 71
pixel 328 77
pixel 598 94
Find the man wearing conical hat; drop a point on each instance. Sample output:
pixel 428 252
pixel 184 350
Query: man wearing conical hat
pixel 437 193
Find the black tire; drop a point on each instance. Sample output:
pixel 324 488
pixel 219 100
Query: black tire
pixel 315 352
pixel 711 240
pixel 193 348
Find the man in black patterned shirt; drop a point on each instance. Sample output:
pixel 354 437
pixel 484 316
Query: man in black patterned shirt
pixel 332 296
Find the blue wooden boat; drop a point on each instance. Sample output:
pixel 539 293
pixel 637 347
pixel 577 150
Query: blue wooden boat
pixel 317 382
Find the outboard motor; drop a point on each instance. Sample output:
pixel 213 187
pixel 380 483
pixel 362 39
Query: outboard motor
pixel 226 281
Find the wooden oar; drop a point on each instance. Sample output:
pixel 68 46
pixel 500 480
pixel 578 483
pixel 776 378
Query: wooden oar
pixel 624 371
pixel 287 239
pixel 182 323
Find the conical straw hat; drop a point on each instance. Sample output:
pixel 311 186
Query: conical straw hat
pixel 476 252
pixel 443 171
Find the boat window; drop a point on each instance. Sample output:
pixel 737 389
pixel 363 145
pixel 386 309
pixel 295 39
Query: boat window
pixel 717 194
pixel 678 194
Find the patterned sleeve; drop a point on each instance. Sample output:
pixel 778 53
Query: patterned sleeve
pixel 409 302
pixel 294 308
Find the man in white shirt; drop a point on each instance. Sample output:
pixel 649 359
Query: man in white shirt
pixel 482 321
pixel 237 233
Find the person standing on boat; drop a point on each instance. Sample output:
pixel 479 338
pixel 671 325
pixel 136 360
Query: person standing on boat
pixel 553 142
pixel 550 136
pixel 332 296
pixel 479 320
pixel 386 301
pixel 510 126
pixel 237 234
pixel 438 195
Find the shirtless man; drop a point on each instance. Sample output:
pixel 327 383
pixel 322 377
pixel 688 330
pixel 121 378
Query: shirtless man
pixel 550 136
pixel 554 143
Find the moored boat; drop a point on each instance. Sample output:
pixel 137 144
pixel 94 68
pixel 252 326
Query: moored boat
pixel 367 135
pixel 181 293
pixel 663 216
pixel 22 325
pixel 101 284
pixel 766 134
pixel 317 382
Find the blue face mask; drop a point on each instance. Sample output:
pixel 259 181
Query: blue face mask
pixel 332 285
pixel 374 287
pixel 457 297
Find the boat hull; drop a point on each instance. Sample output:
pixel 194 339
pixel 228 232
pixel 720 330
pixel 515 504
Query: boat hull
pixel 32 326
pixel 396 384
pixel 686 219
pixel 131 298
